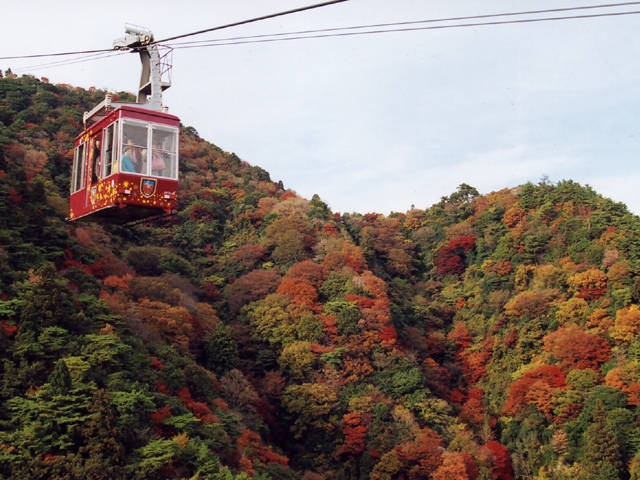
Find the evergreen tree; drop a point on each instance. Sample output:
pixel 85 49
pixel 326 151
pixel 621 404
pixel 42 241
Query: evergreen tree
pixel 220 349
pixel 601 457
pixel 103 453
pixel 60 379
pixel 47 301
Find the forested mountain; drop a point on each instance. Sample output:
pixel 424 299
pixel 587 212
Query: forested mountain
pixel 257 334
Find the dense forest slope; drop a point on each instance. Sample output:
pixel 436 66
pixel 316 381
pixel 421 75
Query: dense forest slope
pixel 257 334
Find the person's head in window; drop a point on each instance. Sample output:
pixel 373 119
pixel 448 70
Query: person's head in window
pixel 157 164
pixel 128 164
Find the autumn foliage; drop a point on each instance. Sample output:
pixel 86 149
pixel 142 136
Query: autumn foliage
pixel 501 468
pixel 450 259
pixel 258 334
pixel 576 349
pixel 354 434
pixel 590 285
pixel 534 388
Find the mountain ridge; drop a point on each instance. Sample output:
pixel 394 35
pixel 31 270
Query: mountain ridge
pixel 257 334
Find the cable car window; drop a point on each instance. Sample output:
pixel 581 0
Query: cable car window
pixel 134 148
pixel 164 152
pixel 110 146
pixel 95 159
pixel 78 173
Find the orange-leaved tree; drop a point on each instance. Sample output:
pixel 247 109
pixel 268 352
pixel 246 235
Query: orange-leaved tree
pixel 626 326
pixel 456 466
pixel 354 429
pixel 544 378
pixel 421 456
pixel 590 284
pixel 577 349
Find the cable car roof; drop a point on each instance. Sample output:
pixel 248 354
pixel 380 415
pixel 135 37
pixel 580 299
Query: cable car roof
pixel 106 106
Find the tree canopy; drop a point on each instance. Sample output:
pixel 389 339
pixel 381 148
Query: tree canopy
pixel 258 334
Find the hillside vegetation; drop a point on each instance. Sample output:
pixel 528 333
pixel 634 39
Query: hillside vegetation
pixel 257 334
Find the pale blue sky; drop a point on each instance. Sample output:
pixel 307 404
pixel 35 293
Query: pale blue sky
pixel 377 123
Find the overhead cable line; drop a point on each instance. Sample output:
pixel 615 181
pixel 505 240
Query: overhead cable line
pixel 415 22
pixel 60 54
pixel 243 22
pixel 373 28
pixel 71 61
pixel 296 36
pixel 252 20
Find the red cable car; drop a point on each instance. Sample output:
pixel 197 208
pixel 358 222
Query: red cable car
pixel 125 165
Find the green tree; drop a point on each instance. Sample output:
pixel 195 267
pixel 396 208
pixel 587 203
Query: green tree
pixel 46 422
pixel 47 301
pixel 601 454
pixel 335 286
pixel 347 316
pixel 297 359
pixel 150 459
pixel 318 208
pixel 60 379
pixel 270 320
pixel 311 405
pixel 103 454
pixel 287 238
pixel 220 349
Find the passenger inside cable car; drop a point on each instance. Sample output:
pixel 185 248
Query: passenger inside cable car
pixel 95 160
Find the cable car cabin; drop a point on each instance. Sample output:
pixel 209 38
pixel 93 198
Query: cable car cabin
pixel 125 165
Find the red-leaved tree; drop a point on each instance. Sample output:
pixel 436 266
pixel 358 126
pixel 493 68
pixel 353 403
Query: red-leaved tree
pixel 501 467
pixel 354 435
pixel 450 259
